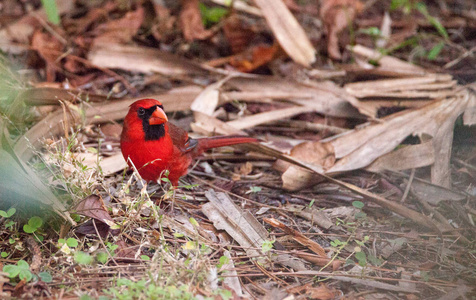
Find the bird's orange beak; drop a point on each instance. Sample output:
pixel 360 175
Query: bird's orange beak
pixel 158 117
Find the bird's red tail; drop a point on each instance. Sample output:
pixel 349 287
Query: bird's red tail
pixel 221 141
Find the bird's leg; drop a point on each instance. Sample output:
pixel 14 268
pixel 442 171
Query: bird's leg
pixel 173 197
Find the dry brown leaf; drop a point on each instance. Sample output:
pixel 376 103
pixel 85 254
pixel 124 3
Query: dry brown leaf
pixel 405 158
pixel 49 48
pixel 244 169
pixel 388 66
pixel 163 23
pixel 431 86
pixel 469 116
pixel 208 125
pixel 254 58
pixel 207 101
pixel 321 155
pixel 266 117
pixel 141 59
pixel 434 194
pixel 238 33
pixel 93 207
pixel 121 30
pixel 315 153
pixel 326 97
pixel 337 15
pixel 93 15
pixel 126 251
pixel 191 21
pixel 287 31
pixel 360 147
pixel 111 164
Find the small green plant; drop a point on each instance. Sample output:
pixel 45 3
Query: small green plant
pixel 361 258
pixel 33 224
pixel 70 242
pixel 375 260
pixel 51 11
pixel 254 189
pixel 223 261
pixel 9 224
pixel 111 248
pixel 267 246
pixel 144 257
pixel 359 205
pixel 338 243
pixel 45 277
pixel 83 258
pixel 102 257
pixel 7 214
pixel 142 289
pixel 407 6
pixel 211 15
pixel 311 203
pixel 20 270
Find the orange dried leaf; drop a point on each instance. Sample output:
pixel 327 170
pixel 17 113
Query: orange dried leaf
pixel 251 60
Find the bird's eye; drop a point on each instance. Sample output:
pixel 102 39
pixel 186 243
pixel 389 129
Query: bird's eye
pixel 141 111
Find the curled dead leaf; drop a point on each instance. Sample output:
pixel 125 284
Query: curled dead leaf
pixel 336 15
pixel 316 153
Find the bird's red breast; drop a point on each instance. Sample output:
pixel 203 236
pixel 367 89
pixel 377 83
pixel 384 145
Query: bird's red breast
pixel 154 145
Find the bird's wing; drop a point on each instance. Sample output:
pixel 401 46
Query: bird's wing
pixel 181 140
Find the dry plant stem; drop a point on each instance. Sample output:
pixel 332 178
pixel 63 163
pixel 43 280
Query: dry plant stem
pixel 409 185
pixel 270 275
pixel 464 164
pixel 102 243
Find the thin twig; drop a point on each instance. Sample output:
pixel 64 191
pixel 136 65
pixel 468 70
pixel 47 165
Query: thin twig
pixel 102 243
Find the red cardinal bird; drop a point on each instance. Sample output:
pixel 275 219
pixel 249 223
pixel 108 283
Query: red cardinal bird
pixel 155 145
